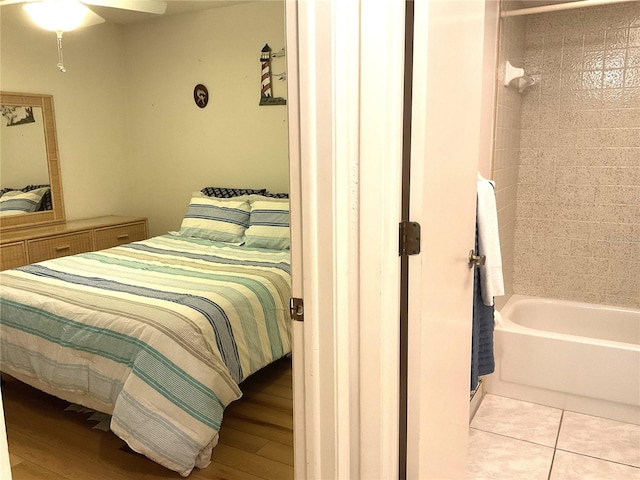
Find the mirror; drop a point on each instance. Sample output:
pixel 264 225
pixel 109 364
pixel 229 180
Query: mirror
pixel 29 155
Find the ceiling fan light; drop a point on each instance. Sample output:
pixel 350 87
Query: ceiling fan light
pixel 57 15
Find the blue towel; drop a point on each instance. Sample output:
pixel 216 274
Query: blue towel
pixel 482 361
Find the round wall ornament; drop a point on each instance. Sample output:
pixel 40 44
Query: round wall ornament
pixel 201 95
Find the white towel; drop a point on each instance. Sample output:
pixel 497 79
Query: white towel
pixel 491 279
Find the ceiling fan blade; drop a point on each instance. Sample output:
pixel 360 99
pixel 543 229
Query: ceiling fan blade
pixel 146 6
pixel 9 2
pixel 91 18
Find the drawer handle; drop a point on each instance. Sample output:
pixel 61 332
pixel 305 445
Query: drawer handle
pixel 62 248
pixel 123 236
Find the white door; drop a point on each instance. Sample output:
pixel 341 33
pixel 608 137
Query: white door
pixel 447 88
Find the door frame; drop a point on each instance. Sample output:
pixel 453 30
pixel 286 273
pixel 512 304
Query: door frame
pixel 5 461
pixel 295 204
pixel 346 127
pixel 346 138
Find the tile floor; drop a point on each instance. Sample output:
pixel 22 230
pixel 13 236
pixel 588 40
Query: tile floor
pixel 512 440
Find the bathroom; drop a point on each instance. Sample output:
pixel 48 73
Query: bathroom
pixel 566 166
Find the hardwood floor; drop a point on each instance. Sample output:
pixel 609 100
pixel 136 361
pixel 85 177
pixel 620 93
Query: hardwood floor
pixel 48 443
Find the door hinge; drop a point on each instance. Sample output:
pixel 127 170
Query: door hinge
pixel 296 309
pixel 409 238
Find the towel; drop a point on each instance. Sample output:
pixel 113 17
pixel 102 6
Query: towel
pixel 489 242
pixel 482 359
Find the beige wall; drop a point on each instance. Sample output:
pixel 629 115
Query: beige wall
pixel 88 102
pixel 577 233
pixel 131 139
pixel 24 144
pixel 177 147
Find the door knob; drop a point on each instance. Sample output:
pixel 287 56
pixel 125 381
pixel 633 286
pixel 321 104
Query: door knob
pixel 476 260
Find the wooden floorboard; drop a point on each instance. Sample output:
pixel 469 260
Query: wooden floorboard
pixel 48 443
pixel 32 471
pixel 277 451
pixel 273 389
pixel 262 429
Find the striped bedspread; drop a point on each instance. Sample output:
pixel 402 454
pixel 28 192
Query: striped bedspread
pixel 157 333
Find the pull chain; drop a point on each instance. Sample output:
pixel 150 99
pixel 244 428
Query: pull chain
pixel 60 59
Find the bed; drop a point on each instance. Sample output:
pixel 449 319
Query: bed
pixel 158 333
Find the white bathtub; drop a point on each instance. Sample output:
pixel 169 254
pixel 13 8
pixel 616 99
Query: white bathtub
pixel 576 356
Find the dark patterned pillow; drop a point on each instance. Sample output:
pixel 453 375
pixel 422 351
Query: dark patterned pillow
pixel 221 192
pixel 46 203
pixel 276 195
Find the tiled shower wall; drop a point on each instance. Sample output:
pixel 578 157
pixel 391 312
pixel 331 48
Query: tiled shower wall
pixel 577 227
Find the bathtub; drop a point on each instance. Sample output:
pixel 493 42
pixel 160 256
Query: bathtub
pixel 575 356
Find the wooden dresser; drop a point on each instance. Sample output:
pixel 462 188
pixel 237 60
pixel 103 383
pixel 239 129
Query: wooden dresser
pixel 30 245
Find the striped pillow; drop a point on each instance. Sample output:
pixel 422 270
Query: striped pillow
pixel 46 203
pixel 15 202
pixel 219 219
pixel 269 224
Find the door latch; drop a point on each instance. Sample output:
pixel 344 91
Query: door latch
pixel 476 260
pixel 296 309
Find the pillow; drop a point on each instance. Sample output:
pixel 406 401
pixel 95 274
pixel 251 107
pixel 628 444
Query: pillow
pixel 15 202
pixel 221 192
pixel 276 195
pixel 219 219
pixel 46 203
pixel 269 224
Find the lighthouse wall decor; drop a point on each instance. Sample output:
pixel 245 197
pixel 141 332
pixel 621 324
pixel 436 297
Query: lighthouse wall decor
pixel 266 92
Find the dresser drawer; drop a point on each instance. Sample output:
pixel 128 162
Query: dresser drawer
pixel 60 246
pixel 13 255
pixel 108 237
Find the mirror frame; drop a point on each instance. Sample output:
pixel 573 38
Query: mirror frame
pixel 57 214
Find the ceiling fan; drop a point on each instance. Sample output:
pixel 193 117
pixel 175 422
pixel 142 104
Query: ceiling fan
pixel 64 15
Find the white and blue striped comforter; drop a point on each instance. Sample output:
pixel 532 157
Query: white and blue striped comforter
pixel 157 333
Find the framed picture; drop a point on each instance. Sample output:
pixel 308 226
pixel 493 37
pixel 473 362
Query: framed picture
pixel 17 115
